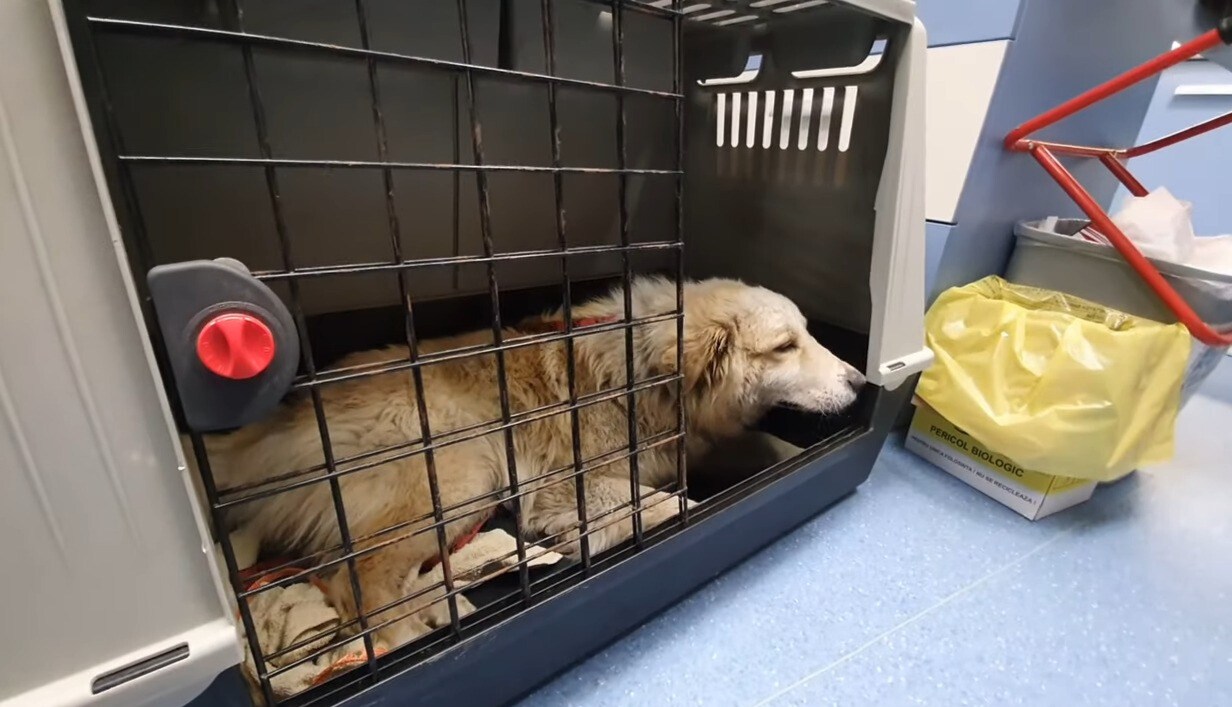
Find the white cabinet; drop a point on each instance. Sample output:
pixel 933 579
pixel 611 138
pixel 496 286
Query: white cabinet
pixel 960 81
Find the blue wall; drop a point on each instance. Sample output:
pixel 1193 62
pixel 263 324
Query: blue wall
pixel 1059 49
pixel 963 21
pixel 1195 170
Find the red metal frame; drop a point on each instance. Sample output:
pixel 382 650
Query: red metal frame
pixel 1045 153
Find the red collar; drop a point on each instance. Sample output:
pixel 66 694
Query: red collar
pixel 559 324
pixel 461 541
pixel 584 322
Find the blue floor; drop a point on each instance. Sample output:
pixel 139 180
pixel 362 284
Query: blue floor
pixel 920 591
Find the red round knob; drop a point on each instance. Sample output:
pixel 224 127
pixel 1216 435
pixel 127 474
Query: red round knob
pixel 236 346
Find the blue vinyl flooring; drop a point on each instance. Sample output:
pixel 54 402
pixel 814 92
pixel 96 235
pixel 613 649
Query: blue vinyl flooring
pixel 918 590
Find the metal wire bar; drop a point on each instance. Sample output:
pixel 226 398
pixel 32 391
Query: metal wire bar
pixel 456 177
pixel 412 341
pixel 285 252
pixel 219 522
pixel 518 340
pixel 361 268
pixel 248 39
pixel 548 19
pixel 473 351
pixel 369 164
pixel 485 230
pixel 622 190
pixel 682 479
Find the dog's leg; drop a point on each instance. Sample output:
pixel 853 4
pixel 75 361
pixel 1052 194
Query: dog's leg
pixel 383 579
pixel 381 574
pixel 608 513
pixel 392 557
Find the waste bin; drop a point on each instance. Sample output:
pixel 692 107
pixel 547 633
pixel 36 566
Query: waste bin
pixel 1049 254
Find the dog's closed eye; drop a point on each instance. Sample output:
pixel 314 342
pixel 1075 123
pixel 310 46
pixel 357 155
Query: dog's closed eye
pixel 786 347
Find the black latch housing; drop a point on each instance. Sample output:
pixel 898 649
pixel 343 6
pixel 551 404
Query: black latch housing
pixel 230 340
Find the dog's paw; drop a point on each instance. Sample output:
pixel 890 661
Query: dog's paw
pixel 399 632
pixel 659 508
pixel 560 535
pixel 437 615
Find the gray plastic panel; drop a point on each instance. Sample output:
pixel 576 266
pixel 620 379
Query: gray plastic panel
pixel 790 203
pixel 101 546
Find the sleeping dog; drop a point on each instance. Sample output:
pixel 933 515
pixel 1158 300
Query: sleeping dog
pixel 746 349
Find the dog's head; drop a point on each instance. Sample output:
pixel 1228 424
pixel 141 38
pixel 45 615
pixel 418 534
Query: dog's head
pixel 747 349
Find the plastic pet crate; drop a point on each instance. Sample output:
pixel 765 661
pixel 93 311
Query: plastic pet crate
pixel 357 174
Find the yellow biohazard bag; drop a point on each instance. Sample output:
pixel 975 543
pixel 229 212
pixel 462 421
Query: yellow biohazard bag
pixel 1054 382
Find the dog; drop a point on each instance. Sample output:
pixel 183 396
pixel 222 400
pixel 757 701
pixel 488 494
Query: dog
pixel 746 349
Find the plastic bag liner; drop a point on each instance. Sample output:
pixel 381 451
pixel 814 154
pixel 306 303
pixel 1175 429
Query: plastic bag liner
pixel 1054 382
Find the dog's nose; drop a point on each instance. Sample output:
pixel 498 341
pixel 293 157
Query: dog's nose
pixel 855 379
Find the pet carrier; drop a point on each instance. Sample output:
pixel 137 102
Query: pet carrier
pixel 284 184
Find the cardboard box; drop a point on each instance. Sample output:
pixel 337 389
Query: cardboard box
pixel 1031 493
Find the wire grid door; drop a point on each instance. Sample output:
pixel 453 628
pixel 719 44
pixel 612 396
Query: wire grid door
pixel 313 379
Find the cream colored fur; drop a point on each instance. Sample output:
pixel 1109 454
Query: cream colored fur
pixel 745 349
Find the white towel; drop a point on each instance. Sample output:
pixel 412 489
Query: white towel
pixel 288 615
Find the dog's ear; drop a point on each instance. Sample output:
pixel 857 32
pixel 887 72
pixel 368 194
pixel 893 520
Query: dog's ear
pixel 707 352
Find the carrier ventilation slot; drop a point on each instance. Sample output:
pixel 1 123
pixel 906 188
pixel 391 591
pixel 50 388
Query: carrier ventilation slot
pixel 137 669
pixel 697 12
pixel 737 116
